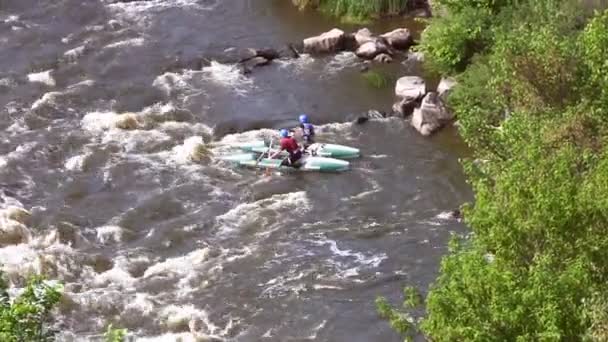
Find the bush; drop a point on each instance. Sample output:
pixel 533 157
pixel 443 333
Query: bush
pixel 28 316
pixel 532 103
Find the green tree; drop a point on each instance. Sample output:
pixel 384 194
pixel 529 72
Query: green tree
pixel 532 103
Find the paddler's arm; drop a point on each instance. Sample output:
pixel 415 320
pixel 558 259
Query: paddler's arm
pixel 276 153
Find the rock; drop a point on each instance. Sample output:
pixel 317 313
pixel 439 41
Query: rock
pixel 255 62
pixel 431 115
pixel 413 63
pixel 13 229
pixel 234 55
pixel 364 68
pixel 400 39
pixel 410 87
pixel 128 121
pixel 288 51
pixel 267 53
pixel 456 214
pixel 363 36
pixel 371 114
pixel 405 107
pixel 372 49
pixel 332 41
pixel 361 120
pixel 383 58
pixel 444 87
pixel 350 43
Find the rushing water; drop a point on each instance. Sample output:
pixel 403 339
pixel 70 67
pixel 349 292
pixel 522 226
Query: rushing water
pixel 146 236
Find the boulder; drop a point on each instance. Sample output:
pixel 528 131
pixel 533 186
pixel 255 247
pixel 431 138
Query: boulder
pixel 255 62
pixel 405 107
pixel 400 39
pixel 235 55
pixel 363 36
pixel 383 58
pixel 431 115
pixel 410 88
pixel 371 114
pixel 331 41
pixel 372 49
pixel 268 53
pixel 288 51
pixel 444 87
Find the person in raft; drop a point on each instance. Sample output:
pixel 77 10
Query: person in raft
pixel 289 144
pixel 308 130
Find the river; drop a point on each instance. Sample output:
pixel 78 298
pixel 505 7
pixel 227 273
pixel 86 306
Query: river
pixel 146 238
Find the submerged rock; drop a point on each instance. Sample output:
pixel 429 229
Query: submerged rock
pixel 371 114
pixel 289 51
pixel 410 88
pixel 331 41
pixel 431 115
pixel 255 62
pixel 383 58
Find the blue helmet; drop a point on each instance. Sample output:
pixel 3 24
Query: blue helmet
pixel 284 133
pixel 303 118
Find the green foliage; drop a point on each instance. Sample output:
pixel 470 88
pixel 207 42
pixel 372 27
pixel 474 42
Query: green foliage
pixel 531 99
pixel 357 9
pixel 594 46
pixel 451 41
pixel 115 334
pixel 376 79
pixel 28 316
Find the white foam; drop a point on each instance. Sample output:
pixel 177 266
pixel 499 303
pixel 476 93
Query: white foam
pixel 43 77
pixel 11 19
pixel 197 320
pixel 170 82
pixel 7 82
pixel 179 265
pixel 109 234
pixel 340 62
pixel 47 98
pixel 74 53
pixel 229 76
pixel 19 153
pixel 150 5
pixel 114 277
pixel 279 285
pixel 299 65
pixel 315 330
pixel 142 304
pixel 246 213
pixel 77 163
pixel 133 42
pixel 358 258
pixel 193 150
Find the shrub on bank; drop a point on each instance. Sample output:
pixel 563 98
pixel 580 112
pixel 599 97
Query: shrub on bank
pixel 532 103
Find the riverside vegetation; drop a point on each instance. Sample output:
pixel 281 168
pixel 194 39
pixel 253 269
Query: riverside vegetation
pixel 28 317
pixel 532 102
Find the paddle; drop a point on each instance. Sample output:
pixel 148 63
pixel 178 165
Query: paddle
pixel 267 170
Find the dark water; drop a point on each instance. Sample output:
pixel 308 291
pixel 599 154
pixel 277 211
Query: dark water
pixel 168 246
